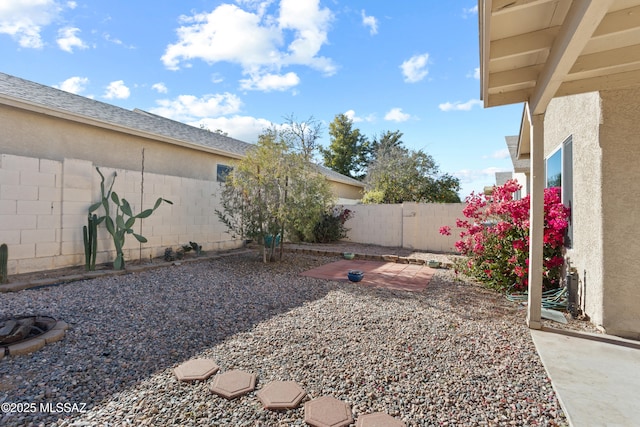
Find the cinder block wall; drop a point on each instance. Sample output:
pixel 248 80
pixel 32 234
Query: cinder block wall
pixel 44 205
pixel 408 225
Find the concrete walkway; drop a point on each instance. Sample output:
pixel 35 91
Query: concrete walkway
pixel 596 377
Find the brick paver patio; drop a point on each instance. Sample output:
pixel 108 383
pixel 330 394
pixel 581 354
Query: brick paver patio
pixel 390 275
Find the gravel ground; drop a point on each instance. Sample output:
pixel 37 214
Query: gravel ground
pixel 453 355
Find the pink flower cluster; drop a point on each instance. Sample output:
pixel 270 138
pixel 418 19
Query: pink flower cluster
pixel 495 237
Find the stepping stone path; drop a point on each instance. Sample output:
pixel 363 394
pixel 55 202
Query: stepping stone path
pixel 233 384
pixel 281 395
pixel 379 419
pixel 196 370
pixel 327 411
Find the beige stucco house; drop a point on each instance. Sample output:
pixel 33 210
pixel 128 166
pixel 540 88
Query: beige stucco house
pixel 574 64
pixel 52 141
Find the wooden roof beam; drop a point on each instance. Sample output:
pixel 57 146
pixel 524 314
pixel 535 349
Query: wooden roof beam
pixel 578 27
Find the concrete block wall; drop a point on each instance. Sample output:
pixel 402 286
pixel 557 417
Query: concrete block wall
pixel 408 225
pixel 44 205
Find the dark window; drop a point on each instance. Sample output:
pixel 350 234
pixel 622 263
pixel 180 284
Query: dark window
pixel 554 169
pixel 223 172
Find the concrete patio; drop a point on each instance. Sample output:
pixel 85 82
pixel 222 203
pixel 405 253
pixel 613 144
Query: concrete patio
pixel 596 377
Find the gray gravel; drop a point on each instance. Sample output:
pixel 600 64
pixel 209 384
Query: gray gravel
pixel 453 355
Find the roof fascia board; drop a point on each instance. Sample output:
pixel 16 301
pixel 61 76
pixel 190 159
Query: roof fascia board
pixel 48 111
pixel 484 24
pixel 582 20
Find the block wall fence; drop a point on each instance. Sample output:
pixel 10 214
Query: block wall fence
pixel 408 225
pixel 44 203
pixel 43 207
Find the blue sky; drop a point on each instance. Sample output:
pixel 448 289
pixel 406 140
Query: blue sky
pixel 240 65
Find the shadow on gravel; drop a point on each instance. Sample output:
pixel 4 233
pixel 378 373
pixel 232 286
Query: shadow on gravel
pixel 125 328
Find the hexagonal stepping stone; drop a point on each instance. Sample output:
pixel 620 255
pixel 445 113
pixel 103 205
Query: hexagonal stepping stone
pixel 327 411
pixel 196 370
pixel 233 384
pixel 379 419
pixel 281 395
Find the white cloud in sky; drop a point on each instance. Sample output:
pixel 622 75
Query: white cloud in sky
pixel 74 84
pixel 351 114
pixel 499 154
pixel 189 108
pixel 415 69
pixel 72 4
pixel 470 11
pixel 117 90
pixel 24 20
pixel 477 179
pixel 270 82
pixel 244 128
pixel 253 38
pixel 369 21
pixel 160 87
pixel 396 115
pixel 68 39
pixel 459 106
pixel 475 73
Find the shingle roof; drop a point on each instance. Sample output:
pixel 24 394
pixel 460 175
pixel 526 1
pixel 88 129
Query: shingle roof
pixel 138 120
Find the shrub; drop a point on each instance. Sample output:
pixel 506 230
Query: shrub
pixel 331 226
pixel 495 238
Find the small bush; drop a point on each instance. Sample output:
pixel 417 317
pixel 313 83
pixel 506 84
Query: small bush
pixel 331 226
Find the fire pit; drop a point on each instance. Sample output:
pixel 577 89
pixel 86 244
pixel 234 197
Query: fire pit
pixel 26 334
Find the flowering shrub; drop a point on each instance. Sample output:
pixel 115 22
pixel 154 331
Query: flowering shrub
pixel 495 238
pixel 331 227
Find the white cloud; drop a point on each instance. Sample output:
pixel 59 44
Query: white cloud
pixel 476 179
pixel 269 82
pixel 254 40
pixel 351 114
pixel 371 22
pixel 500 154
pixel 24 20
pixel 470 11
pixel 72 4
pixel 459 106
pixel 244 128
pixel 188 108
pixel 396 115
pixel 475 73
pixel 74 84
pixel 117 90
pixel 415 69
pixel 160 87
pixel 68 39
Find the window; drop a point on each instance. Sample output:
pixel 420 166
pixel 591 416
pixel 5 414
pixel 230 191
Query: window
pixel 559 173
pixel 222 172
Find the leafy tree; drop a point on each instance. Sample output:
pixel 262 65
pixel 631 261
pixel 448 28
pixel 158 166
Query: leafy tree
pixel 399 175
pixel 348 151
pixel 273 191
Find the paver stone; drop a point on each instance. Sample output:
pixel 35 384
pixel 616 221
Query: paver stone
pixel 379 419
pixel 327 411
pixel 281 395
pixel 196 370
pixel 233 384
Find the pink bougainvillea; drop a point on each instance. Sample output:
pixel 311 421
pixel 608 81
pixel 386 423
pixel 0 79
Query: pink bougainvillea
pixel 495 238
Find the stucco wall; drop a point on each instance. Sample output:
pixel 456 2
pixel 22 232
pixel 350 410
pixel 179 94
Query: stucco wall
pixel 43 207
pixel 346 191
pixel 409 225
pixel 579 116
pixel 620 144
pixel 35 135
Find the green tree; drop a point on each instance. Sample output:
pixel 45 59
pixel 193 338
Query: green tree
pixel 386 141
pixel 348 150
pixel 273 191
pixel 399 175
